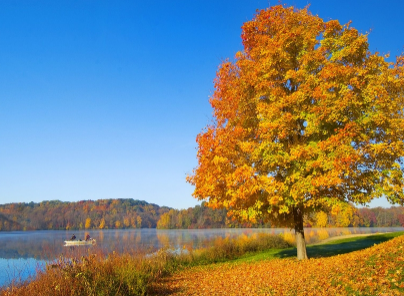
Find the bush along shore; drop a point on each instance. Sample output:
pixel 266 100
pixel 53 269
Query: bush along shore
pixel 178 272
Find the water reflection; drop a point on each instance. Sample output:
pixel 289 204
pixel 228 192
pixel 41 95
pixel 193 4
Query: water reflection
pixel 48 245
pixel 18 270
pixel 22 252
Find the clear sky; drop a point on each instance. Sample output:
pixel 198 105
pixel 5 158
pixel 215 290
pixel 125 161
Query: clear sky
pixel 104 99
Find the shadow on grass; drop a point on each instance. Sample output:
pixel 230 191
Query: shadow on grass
pixel 160 290
pixel 340 246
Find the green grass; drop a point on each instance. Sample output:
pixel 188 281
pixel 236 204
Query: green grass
pixel 332 248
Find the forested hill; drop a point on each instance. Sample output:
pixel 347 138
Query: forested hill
pixel 109 214
pixel 99 214
pixel 129 213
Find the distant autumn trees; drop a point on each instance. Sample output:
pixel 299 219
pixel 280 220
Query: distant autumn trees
pixel 129 214
pixel 350 216
pixel 100 214
pixel 201 217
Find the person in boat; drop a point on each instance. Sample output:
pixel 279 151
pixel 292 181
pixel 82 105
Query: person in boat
pixel 88 237
pixel 73 237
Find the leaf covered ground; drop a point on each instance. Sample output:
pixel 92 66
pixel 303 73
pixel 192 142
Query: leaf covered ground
pixel 377 270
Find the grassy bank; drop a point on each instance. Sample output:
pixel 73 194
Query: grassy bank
pixel 332 248
pixel 138 274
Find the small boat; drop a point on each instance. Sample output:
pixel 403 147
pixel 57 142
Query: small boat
pixel 79 242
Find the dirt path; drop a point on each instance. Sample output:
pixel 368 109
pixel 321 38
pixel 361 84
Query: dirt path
pixel 344 236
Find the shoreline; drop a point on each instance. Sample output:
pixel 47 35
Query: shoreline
pixel 330 239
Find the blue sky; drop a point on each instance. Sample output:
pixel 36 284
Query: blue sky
pixel 104 99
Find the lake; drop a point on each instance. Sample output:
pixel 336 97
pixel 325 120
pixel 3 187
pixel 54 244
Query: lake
pixel 23 252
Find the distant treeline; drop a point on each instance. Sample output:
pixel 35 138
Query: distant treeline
pixel 129 213
pixel 359 217
pixel 202 217
pixel 109 214
pixel 99 214
pixel 348 216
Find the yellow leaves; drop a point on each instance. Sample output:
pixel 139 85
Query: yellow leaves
pixel 247 146
pixel 88 223
pixel 218 160
pixel 289 238
pixel 321 219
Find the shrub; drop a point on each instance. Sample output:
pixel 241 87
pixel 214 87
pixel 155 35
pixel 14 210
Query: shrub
pixel 322 234
pixel 230 248
pixel 289 238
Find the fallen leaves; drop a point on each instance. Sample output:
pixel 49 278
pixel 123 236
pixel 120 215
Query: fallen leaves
pixel 374 271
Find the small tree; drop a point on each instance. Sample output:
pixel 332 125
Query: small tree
pixel 102 224
pixel 305 118
pixel 88 223
pixel 321 219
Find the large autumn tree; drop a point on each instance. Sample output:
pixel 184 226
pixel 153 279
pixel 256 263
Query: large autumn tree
pixel 306 118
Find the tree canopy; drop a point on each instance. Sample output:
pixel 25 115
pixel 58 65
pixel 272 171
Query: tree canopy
pixel 306 118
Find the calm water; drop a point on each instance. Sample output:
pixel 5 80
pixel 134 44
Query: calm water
pixel 22 253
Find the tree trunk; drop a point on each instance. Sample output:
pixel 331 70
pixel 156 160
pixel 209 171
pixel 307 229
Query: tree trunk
pixel 299 232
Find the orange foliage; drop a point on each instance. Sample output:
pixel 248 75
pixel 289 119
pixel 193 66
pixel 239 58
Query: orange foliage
pixel 305 118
